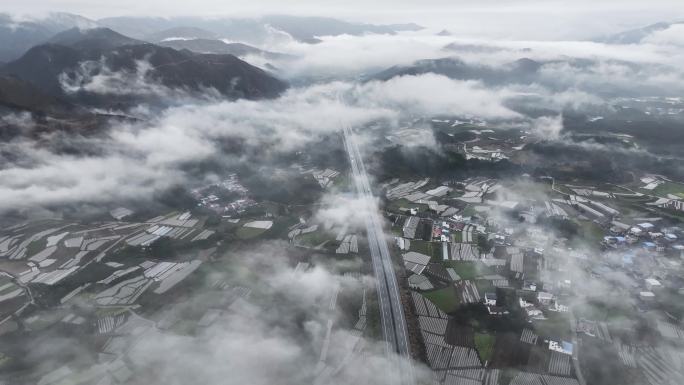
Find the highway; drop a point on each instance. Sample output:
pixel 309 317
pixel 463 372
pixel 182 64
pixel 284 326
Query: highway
pixel 392 317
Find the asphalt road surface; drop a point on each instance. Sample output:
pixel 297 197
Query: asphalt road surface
pixel 392 317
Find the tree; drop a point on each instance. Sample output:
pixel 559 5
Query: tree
pixel 484 244
pixel 213 220
pixel 162 248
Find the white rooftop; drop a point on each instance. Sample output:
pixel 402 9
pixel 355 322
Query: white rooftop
pixel 259 224
pixel 417 258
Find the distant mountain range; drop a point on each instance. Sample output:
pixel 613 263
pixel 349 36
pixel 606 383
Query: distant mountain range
pixel 635 36
pixel 92 39
pixel 220 47
pixel 250 31
pixel 548 74
pixel 17 36
pixel 520 71
pixel 65 60
pixel 307 29
pixel 176 33
pixel 77 56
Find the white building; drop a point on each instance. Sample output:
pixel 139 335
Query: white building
pixel 544 298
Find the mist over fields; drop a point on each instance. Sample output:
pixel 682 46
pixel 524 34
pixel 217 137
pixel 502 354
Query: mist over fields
pixel 494 121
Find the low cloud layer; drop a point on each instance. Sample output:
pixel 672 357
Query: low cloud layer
pixel 136 160
pixel 673 35
pixel 276 338
pixel 95 76
pixel 548 127
pixel 132 161
pixel 274 335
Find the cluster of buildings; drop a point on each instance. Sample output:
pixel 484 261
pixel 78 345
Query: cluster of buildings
pixel 484 144
pixel 492 252
pixel 227 197
pixel 325 178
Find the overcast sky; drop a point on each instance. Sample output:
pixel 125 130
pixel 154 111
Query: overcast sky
pixel 611 13
pixel 212 7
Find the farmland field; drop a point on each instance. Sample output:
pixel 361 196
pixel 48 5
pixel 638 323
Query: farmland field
pixel 485 345
pixel 445 298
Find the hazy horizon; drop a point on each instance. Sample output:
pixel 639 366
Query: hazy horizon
pixel 528 19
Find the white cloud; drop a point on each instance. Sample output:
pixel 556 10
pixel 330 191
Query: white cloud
pixel 344 209
pixel 22 119
pixel 275 338
pixel 136 160
pixel 58 179
pixel 95 76
pixel 674 35
pixel 432 94
pixel 547 127
pixel 347 55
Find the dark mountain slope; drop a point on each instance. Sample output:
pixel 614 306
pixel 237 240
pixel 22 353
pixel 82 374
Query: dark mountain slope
pixel 43 64
pixel 184 69
pixel 46 66
pixel 521 71
pixel 17 94
pixel 450 67
pixel 95 39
